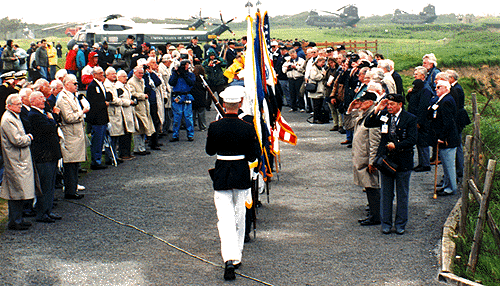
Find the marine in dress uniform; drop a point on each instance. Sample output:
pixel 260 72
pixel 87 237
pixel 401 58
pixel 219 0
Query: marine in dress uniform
pixel 235 143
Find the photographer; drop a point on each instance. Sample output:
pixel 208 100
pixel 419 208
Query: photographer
pixel 182 80
pixel 213 68
pixel 294 69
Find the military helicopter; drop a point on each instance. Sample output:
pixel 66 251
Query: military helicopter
pixel 348 17
pixel 428 15
pixel 116 28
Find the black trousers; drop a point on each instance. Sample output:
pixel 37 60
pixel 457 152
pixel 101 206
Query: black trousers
pixel 125 144
pixel 70 177
pixel 153 110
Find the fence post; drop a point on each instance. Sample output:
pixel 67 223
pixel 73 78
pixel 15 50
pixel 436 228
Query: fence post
pixel 465 186
pixel 478 234
pixel 477 137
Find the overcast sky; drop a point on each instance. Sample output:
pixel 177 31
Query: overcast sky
pixel 60 11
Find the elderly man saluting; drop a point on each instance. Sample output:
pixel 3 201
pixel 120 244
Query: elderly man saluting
pixel 18 179
pixel 398 136
pixel 235 143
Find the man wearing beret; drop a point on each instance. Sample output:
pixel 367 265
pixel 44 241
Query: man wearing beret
pixel 235 143
pixel 398 136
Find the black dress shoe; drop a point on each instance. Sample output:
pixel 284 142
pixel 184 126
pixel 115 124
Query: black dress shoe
pixel 73 197
pixel 45 219
pixel 422 169
pixel 370 221
pixel 229 271
pixel 363 219
pixel 335 128
pixel 29 213
pixel 98 167
pixel 55 216
pixel 18 226
pixel 26 223
pixel 246 240
pixel 174 139
pixel 442 193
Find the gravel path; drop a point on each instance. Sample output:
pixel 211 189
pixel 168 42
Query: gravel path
pixel 307 234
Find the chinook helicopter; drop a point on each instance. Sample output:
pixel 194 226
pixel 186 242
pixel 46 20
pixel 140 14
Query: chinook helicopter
pixel 428 15
pixel 116 28
pixel 348 17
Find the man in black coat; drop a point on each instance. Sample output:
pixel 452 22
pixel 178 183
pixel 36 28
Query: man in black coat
pixel 398 136
pixel 97 117
pixel 231 53
pixel 45 151
pixel 197 51
pixel 443 116
pixel 463 119
pixel 235 143
pixel 419 97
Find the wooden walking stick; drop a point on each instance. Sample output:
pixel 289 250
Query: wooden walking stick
pixel 436 171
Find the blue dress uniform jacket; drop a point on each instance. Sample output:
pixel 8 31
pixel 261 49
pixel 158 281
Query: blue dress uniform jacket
pixel 406 138
pixel 232 136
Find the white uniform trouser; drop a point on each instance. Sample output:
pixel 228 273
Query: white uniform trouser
pixel 230 205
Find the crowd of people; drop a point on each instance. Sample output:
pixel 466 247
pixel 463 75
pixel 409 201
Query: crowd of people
pixel 139 93
pixel 365 98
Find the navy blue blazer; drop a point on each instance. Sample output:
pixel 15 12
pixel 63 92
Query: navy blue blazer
pixel 443 118
pixel 97 97
pixel 45 145
pixel 406 138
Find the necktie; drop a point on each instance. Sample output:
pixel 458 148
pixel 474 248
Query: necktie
pixel 392 130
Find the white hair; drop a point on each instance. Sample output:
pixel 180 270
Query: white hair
pixel 69 77
pixel 39 83
pixel 122 72
pixel 98 69
pixel 34 95
pixel 431 58
pixel 55 83
pixel 11 98
pixel 453 74
pixel 110 70
pixel 61 73
pixel 151 59
pixel 376 74
pixel 384 65
pixel 443 76
pixel 421 70
pixel 25 92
